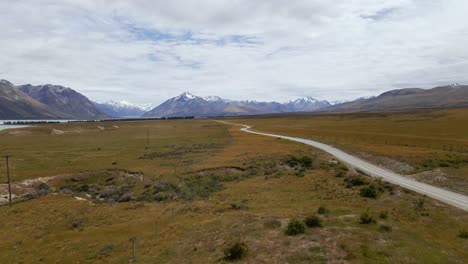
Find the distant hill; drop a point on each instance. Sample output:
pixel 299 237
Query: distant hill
pixel 454 95
pixel 120 109
pixel 188 104
pixel 44 102
pixel 64 100
pixel 14 104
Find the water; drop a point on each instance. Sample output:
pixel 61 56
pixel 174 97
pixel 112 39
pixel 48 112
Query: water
pixel 34 120
pixel 3 126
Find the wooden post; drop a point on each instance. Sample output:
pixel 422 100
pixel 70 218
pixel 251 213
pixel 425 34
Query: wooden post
pixel 147 138
pixel 156 229
pixel 7 157
pixel 134 250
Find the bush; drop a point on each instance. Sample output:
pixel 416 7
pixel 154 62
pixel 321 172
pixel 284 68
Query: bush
pixel 236 251
pixel 366 219
pixel 322 210
pixel 295 227
pixel 357 180
pixel 313 221
pixel 383 215
pixel 463 234
pixel 303 162
pixel 370 191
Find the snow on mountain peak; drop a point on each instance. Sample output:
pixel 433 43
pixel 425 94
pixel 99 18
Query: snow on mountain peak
pixel 308 99
pixel 3 81
pixel 186 95
pixel 214 98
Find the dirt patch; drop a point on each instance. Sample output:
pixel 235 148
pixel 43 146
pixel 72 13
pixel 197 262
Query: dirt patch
pixel 20 133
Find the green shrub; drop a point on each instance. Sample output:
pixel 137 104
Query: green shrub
pixel 313 221
pixel 236 251
pixel 371 191
pixel 357 180
pixel 322 210
pixel 303 162
pixel 295 227
pixel 383 215
pixel 463 234
pixel 366 219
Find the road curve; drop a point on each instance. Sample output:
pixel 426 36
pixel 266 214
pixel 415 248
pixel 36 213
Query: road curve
pixel 448 197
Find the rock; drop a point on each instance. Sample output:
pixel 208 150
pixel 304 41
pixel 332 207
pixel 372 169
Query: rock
pixel 57 132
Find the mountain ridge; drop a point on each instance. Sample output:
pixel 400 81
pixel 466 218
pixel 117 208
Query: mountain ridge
pixel 187 104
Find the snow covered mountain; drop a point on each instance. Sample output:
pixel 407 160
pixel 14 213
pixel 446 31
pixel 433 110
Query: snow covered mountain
pixel 187 104
pixel 306 104
pixel 120 109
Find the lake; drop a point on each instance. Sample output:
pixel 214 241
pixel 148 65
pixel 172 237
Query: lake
pixel 3 126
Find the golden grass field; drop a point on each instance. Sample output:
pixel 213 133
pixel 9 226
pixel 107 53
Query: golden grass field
pixel 197 224
pixel 406 142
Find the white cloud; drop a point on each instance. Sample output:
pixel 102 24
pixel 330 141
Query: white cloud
pixel 146 51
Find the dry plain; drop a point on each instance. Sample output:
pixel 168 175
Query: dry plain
pixel 187 189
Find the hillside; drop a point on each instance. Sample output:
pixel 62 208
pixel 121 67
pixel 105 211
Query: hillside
pixel 14 104
pixel 410 98
pixel 63 99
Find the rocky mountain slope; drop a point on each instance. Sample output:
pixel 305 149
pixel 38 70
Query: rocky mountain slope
pixel 14 104
pixel 64 100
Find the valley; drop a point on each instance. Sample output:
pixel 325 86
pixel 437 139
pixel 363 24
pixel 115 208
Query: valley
pixel 188 189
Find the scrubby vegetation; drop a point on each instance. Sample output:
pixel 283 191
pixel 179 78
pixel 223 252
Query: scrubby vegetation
pixel 187 204
pixel 463 234
pixel 295 227
pixel 322 210
pixel 373 190
pixel 304 162
pixel 356 180
pixel 366 218
pixel 313 221
pixel 236 251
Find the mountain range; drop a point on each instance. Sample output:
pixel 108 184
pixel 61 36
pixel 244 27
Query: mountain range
pixel 58 102
pixel 188 104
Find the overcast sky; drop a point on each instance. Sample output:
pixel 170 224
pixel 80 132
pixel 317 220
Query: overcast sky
pixel 145 51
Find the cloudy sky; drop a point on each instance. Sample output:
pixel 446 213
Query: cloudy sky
pixel 145 51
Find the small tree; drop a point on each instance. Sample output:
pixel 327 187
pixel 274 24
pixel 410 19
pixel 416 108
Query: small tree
pixel 236 251
pixel 370 191
pixel 295 227
pixel 313 221
pixel 322 210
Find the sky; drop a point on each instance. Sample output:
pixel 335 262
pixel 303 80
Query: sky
pixel 146 51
